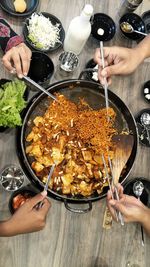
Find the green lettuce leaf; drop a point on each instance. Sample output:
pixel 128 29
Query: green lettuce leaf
pixel 12 103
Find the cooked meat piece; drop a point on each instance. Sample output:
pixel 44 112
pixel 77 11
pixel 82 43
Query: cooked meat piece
pixel 45 160
pixel 36 151
pixel 87 155
pixel 56 155
pixel 38 120
pixel 38 167
pixel 67 179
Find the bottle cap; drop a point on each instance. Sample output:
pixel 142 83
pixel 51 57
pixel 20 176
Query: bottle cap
pixel 88 10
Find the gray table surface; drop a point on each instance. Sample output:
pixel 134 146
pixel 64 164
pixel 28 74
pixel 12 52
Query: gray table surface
pixel 72 240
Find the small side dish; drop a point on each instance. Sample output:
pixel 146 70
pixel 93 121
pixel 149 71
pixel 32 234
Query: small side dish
pixel 143 129
pixel 20 199
pixel 145 197
pixel 42 32
pixel 12 103
pixel 20 6
pixel 103 27
pixel 136 22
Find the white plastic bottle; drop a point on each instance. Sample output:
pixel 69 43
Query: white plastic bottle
pixel 78 31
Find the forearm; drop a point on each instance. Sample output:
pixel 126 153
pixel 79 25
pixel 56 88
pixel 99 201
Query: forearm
pixel 145 220
pixel 143 48
pixel 8 38
pixel 5 229
pixel 8 228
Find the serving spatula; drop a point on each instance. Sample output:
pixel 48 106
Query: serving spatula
pixel 123 147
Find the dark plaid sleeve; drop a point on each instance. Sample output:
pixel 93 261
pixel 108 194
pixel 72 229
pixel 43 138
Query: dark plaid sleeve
pixel 8 38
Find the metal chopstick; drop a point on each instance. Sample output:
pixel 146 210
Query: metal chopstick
pixel 116 191
pixel 107 175
pixel 40 204
pixel 105 81
pixel 109 184
pixel 26 78
pixel 49 177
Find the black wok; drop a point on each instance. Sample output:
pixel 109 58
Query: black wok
pixel 93 93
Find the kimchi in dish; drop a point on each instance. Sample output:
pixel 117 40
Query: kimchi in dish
pixel 73 137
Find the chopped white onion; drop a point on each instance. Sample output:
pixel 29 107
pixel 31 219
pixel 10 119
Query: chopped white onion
pixel 42 33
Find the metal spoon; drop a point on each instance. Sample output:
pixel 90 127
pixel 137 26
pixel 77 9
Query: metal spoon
pixel 128 28
pixel 145 120
pixel 138 188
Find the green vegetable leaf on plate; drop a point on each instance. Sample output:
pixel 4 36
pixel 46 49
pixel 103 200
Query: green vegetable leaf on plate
pixel 12 103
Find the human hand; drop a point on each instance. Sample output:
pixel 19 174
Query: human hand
pixel 28 218
pixel 118 60
pixel 131 208
pixel 18 58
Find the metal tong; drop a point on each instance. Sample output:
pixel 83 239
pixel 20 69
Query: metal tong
pixel 115 194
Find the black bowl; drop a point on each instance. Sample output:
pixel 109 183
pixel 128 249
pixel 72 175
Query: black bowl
pixel 104 22
pixel 54 20
pixel 145 197
pixel 146 91
pixel 146 18
pixel 141 131
pixel 24 190
pixel 136 22
pixel 89 75
pixel 41 68
pixel 8 7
